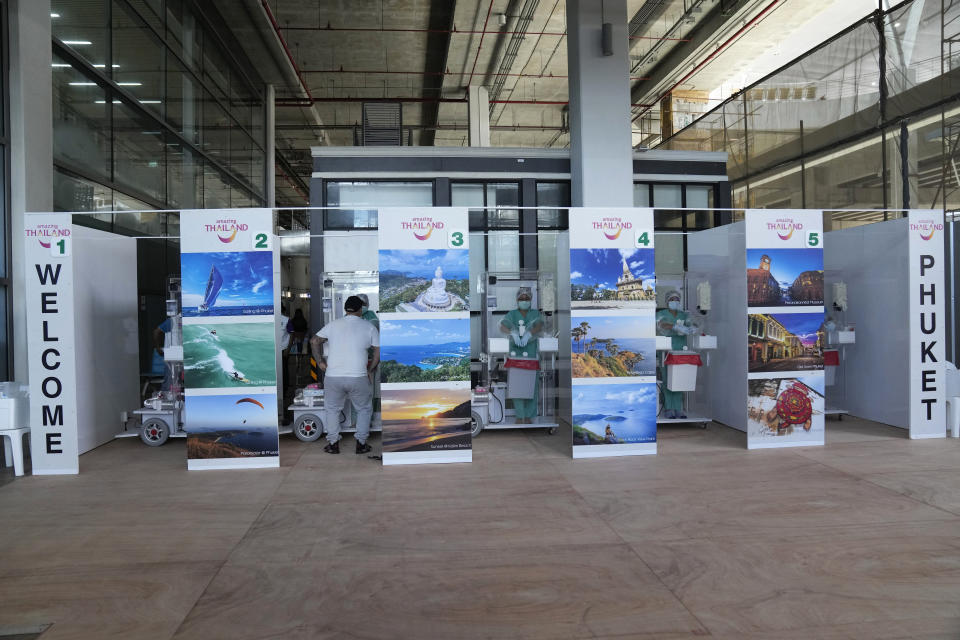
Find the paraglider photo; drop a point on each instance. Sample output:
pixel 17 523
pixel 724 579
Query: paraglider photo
pixel 227 284
pixel 231 426
pixel 239 354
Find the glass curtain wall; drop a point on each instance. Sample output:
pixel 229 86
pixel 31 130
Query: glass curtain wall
pixel 151 110
pixel 868 120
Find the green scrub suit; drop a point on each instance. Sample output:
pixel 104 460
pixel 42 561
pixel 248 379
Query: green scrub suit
pixel 370 316
pixel 672 400
pixel 524 407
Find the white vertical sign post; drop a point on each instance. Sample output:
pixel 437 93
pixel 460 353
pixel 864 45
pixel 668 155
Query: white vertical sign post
pixel 927 319
pixel 785 397
pixel 51 343
pixel 227 268
pixel 425 335
pixel 613 341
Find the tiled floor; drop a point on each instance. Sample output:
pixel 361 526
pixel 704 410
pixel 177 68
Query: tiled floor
pixel 858 539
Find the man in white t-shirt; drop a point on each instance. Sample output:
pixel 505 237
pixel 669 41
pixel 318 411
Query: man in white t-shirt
pixel 348 372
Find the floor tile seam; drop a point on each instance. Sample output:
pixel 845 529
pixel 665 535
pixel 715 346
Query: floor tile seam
pixel 863 476
pixel 226 559
pixel 667 587
pixel 918 500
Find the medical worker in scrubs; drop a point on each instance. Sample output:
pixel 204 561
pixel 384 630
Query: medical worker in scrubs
pixel 523 324
pixel 674 322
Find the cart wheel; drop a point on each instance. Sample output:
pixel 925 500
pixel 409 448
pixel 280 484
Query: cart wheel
pixel 840 417
pixel 703 425
pixel 476 425
pixel 154 432
pixel 552 430
pixel 308 428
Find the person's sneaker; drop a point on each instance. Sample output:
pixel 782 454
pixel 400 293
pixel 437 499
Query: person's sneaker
pixel 333 448
pixel 362 447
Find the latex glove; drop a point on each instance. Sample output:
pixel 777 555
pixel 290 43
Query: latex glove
pixel 515 336
pixel 524 340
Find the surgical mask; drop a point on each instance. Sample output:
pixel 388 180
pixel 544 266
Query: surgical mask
pixel 674 305
pixel 523 305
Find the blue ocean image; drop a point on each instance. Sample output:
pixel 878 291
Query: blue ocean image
pixel 231 426
pixel 227 284
pixel 415 350
pixel 614 413
pixel 617 346
pixel 426 357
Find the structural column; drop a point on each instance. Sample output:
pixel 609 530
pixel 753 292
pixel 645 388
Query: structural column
pixel 31 145
pixel 601 152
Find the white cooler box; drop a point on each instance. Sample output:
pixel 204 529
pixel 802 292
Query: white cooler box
pixel 682 370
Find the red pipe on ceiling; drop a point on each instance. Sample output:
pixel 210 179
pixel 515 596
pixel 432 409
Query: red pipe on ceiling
pixel 297 102
pixel 706 60
pixel 545 76
pixel 283 43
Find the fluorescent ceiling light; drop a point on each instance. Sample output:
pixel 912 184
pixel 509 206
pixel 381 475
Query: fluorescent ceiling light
pixel 149 101
pixel 54 15
pixel 118 102
pixel 77 43
pixel 130 84
pixel 60 65
pixel 105 102
pixel 83 84
pixel 103 66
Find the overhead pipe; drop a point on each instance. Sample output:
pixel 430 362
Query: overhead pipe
pixel 513 47
pixel 705 61
pixel 415 99
pixel 483 32
pixel 480 45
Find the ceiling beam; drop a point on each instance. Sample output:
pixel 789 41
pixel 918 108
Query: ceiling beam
pixel 435 62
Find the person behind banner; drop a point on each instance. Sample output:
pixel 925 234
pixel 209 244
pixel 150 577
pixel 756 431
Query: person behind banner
pixel 368 315
pixel 523 324
pixel 348 372
pixel 673 322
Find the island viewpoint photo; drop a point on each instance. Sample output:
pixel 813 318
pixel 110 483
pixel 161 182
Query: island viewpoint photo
pixel 425 281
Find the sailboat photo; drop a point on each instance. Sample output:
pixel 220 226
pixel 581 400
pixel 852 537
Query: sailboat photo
pixel 214 284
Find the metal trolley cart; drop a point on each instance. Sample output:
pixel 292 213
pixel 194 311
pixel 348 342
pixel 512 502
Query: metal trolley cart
pixel 161 416
pixel 491 405
pixel 307 406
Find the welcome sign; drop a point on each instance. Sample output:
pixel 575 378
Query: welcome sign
pixel 227 265
pixel 51 346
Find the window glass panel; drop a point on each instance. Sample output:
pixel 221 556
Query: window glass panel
pixel 80 127
pixel 466 194
pixel 216 130
pixel 184 100
pixel 183 34
pixel 151 12
pixel 667 196
pixel 371 195
pixel 138 153
pixel 76 194
pixel 216 190
pixel 503 251
pixel 503 194
pixel 139 59
pixel 552 194
pixel 641 195
pixel 82 26
pixel 184 176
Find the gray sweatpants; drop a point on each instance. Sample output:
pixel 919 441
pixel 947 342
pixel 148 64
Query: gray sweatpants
pixel 359 391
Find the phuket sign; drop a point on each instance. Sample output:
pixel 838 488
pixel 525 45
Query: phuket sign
pixel 927 318
pixel 51 347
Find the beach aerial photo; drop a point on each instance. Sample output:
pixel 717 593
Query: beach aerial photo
pixel 426 419
pixel 420 350
pixel 612 279
pixel 431 280
pixel 613 346
pixel 217 355
pixel 614 413
pixel 227 284
pixel 233 426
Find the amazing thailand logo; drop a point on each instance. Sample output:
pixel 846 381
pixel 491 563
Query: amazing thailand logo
pixel 226 229
pixel 784 227
pixel 422 227
pixel 45 233
pixel 612 227
pixel 926 228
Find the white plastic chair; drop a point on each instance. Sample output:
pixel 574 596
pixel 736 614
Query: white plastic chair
pixel 13 448
pixel 953 399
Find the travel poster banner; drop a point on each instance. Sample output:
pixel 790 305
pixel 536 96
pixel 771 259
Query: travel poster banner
pixel 928 418
pixel 425 335
pixel 785 334
pixel 613 332
pixel 51 349
pixel 229 305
